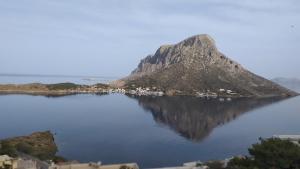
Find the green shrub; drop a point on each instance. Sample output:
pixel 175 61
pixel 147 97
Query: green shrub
pixel 102 86
pixel 7 149
pixel 241 163
pixel 59 159
pixel 25 147
pixel 270 154
pixel 125 167
pixel 62 86
pixel 214 165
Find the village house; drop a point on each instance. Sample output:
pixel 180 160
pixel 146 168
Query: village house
pixel 7 162
pixel 16 163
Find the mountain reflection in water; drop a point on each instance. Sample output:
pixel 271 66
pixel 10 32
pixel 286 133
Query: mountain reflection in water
pixel 115 128
pixel 195 118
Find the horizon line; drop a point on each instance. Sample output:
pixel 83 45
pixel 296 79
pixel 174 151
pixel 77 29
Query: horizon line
pixel 55 75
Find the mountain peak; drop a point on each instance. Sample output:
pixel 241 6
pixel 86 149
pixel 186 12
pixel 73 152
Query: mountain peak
pixel 167 55
pixel 202 39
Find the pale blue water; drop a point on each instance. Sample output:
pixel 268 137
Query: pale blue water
pixel 50 79
pixel 152 131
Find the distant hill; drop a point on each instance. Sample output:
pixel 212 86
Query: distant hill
pixel 194 66
pixel 290 83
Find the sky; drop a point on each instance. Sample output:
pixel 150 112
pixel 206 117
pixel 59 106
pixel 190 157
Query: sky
pixel 110 37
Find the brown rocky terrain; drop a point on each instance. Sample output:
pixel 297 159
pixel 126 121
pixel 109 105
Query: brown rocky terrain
pixel 38 144
pixel 194 66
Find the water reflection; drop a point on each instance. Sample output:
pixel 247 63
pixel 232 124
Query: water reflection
pixel 195 118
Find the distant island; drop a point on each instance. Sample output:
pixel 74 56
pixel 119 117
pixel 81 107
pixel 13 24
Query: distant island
pixel 192 67
pixel 53 89
pixel 290 83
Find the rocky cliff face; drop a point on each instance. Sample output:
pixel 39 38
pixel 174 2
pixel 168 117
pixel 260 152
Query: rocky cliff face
pixel 187 52
pixel 196 67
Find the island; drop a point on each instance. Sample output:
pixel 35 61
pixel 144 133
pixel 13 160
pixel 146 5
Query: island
pixel 196 67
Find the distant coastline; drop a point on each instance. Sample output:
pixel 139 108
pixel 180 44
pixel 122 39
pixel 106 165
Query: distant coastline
pixel 60 89
pixel 290 83
pixel 18 78
pixel 56 75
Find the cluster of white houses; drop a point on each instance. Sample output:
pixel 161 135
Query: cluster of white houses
pixel 145 91
pixel 209 93
pixel 93 89
pixel 7 162
pixel 150 91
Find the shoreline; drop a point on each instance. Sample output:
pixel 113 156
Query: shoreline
pixel 61 89
pixel 66 93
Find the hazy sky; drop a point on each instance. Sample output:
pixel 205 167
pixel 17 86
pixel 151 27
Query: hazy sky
pixel 110 37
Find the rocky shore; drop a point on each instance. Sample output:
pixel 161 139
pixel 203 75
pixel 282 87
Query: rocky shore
pixel 22 152
pixel 38 151
pixel 62 89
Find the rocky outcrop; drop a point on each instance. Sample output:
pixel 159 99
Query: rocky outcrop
pixel 196 67
pixel 38 144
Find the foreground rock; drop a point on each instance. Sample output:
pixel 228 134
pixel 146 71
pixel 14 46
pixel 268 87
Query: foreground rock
pixel 196 67
pixel 39 144
pixel 37 151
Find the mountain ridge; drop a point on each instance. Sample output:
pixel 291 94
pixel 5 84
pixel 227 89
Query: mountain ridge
pixel 195 66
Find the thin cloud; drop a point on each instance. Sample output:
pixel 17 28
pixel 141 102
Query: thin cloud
pixel 124 31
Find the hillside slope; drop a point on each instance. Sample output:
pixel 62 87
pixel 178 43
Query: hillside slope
pixel 194 66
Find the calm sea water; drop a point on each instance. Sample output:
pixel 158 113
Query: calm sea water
pixel 49 79
pixel 152 131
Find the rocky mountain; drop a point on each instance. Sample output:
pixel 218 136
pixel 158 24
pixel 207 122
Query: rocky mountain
pixel 194 66
pixel 290 83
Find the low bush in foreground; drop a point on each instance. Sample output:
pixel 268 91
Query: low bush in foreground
pixel 59 159
pixel 269 154
pixel 7 149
